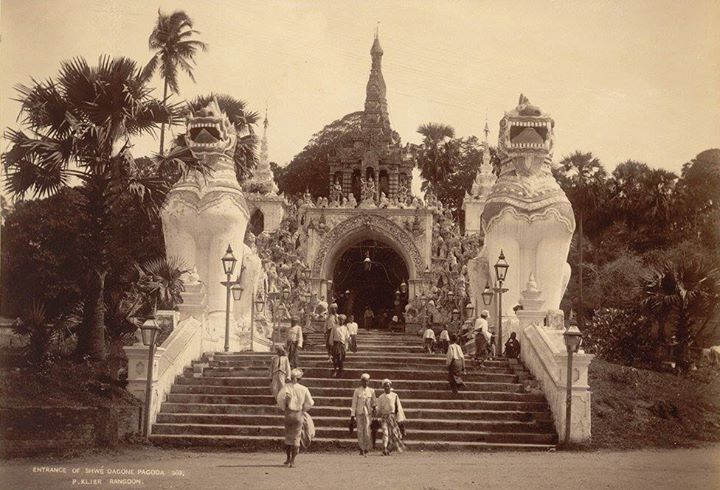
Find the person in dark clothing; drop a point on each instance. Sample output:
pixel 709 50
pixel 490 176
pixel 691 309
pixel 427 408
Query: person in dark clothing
pixel 512 347
pixel 455 364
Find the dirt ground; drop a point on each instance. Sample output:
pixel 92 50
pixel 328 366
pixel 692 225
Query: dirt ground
pixel 657 469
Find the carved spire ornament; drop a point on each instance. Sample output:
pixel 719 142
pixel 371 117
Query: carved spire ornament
pixel 263 180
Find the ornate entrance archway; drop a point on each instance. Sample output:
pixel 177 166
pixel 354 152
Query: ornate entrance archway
pixel 355 230
pixel 371 275
pixel 360 227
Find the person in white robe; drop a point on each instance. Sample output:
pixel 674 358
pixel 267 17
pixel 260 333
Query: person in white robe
pixel 279 370
pixel 391 417
pixel 294 342
pixel 295 400
pixel 363 408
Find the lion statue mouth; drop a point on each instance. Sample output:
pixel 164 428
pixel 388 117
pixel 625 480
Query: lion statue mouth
pixel 526 129
pixel 209 130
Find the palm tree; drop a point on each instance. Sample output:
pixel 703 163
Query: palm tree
pixel 582 177
pixel 160 279
pixel 174 49
pixel 79 127
pixel 687 292
pixel 437 153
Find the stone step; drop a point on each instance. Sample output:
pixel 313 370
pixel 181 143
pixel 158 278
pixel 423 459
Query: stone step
pixel 350 363
pixel 354 374
pixel 347 392
pixel 350 384
pixel 277 420
pixel 435 358
pixel 344 433
pixel 269 400
pixel 256 443
pixel 344 411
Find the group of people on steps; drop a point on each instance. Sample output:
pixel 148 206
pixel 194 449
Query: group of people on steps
pixel 368 413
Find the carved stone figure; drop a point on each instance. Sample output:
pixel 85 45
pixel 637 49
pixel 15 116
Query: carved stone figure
pixel 351 202
pixel 384 202
pixel 202 215
pixel 527 214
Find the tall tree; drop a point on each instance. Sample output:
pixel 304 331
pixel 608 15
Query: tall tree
pixel 437 153
pixel 699 198
pixel 79 126
pixel 583 178
pixel 643 198
pixel 174 50
pixel 311 167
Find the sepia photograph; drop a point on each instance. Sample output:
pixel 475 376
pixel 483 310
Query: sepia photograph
pixel 417 244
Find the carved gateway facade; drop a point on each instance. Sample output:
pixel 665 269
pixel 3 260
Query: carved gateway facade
pixel 330 231
pixel 369 198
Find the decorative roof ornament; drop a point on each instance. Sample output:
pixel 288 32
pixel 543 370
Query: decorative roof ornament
pixel 484 178
pixel 262 180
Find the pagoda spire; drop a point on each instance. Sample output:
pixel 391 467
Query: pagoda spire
pixel 376 121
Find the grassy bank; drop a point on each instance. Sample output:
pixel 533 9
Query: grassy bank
pixel 637 408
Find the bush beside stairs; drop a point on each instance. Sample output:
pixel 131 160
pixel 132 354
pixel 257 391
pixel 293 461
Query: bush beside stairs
pixel 224 400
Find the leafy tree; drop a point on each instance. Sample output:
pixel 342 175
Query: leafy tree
pixel 615 283
pixel 171 39
pixel 583 178
pixel 699 198
pixel 80 127
pixel 619 335
pixel 42 254
pixel 241 118
pixel 311 167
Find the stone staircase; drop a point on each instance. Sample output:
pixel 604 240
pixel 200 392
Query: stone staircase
pixel 225 400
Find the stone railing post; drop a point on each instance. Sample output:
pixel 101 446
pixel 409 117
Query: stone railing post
pixel 543 352
pixel 194 301
pixel 137 356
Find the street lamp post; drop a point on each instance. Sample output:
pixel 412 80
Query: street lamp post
pixel 469 310
pixel 501 268
pixel 272 297
pixel 228 262
pixel 573 339
pixel 149 332
pixel 257 307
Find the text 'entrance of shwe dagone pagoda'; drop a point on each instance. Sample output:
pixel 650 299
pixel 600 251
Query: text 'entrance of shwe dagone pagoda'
pixel 371 274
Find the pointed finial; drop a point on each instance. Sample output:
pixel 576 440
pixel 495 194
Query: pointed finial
pixel 376 48
pixel 532 284
pixel 265 122
pixel 487 128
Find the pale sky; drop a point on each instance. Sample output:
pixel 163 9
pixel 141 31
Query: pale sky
pixel 623 79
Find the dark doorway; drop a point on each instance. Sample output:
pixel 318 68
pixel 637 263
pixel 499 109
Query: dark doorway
pixel 359 283
pixel 257 222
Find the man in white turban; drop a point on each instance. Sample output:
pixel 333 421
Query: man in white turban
pixel 364 404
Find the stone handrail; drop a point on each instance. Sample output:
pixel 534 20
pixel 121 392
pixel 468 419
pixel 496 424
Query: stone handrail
pixel 544 354
pixel 183 346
